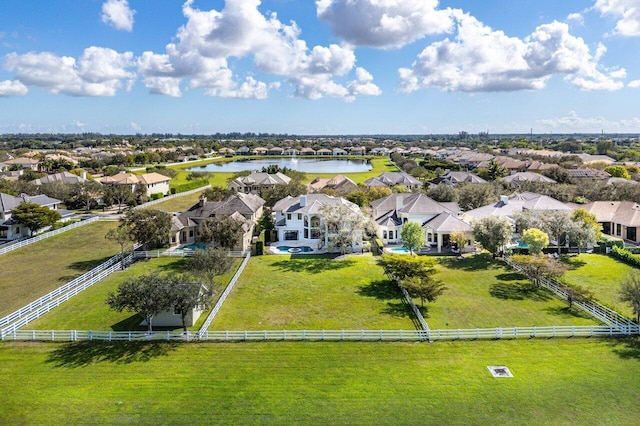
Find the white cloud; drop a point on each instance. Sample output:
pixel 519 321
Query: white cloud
pixel 12 88
pixel 199 58
pixel 384 23
pixel 627 12
pixel 481 59
pixel 574 122
pixel 577 17
pixel 98 72
pixel 118 14
pixel 635 84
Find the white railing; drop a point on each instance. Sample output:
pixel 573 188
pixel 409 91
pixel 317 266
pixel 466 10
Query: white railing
pixel 415 309
pixel 595 309
pixel 177 253
pixel 326 335
pixel 169 197
pixel 38 303
pixel 41 237
pixel 224 295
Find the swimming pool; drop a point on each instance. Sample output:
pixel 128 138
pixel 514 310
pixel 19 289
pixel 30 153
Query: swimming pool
pixel 192 246
pixel 402 250
pixel 294 250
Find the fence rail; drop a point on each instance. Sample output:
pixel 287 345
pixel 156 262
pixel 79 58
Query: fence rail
pixel 177 253
pixel 323 335
pixel 416 311
pixel 224 295
pixel 597 310
pixel 169 197
pixel 41 237
pixel 40 302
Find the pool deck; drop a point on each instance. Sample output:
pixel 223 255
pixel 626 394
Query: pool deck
pixel 273 248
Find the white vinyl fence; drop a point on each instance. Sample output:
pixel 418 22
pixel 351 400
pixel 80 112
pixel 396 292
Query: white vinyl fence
pixel 44 304
pixel 224 295
pixel 322 335
pixel 45 235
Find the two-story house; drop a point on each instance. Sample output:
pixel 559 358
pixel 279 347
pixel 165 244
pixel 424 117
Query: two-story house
pixel 9 228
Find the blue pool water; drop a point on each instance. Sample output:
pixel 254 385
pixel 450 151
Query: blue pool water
pixel 294 250
pixel 400 250
pixel 192 246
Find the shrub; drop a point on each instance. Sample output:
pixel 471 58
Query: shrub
pixel 189 186
pixel 156 196
pixel 625 256
pixel 172 190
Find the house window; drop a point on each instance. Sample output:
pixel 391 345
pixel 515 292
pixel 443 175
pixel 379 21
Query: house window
pixel 177 311
pixel 618 229
pixel 631 233
pixel 190 232
pixel 391 235
pixel 290 235
pixel 288 216
pixel 384 235
pixel 306 234
pixel 299 216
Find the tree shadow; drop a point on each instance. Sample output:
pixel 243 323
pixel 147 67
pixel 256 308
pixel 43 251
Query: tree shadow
pixel 130 324
pixel 84 353
pixel 627 347
pixel 519 291
pixel 179 266
pixel 572 262
pixel 566 312
pixel 481 261
pixel 381 290
pixel 511 276
pixel 87 265
pixel 313 264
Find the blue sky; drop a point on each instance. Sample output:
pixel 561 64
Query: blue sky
pixel 320 67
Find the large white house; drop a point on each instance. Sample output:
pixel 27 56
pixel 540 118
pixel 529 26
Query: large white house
pixel 155 182
pixel 438 220
pixel 12 230
pixel 300 220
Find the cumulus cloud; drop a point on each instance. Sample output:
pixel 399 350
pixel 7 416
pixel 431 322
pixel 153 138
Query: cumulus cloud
pixel 118 14
pixel 12 88
pixel 386 23
pixel 577 17
pixel 574 122
pixel 635 84
pixel 480 59
pixel 210 38
pixel 98 72
pixel 627 12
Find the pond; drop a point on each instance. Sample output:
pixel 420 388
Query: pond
pixel 306 165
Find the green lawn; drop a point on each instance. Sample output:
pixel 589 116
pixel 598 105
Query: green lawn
pixel 484 293
pixel 602 275
pixel 310 292
pixel 33 271
pixel 177 204
pixel 88 310
pixel 556 381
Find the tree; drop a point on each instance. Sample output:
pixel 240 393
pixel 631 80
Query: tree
pixel 412 236
pixel 86 194
pixel 576 293
pixel 345 226
pixel 492 233
pixel 122 236
pixel 443 193
pixel 149 227
pixel 535 239
pixel 493 172
pixel 460 239
pixel 139 195
pixel 117 194
pixel 630 293
pixel 537 267
pixel 185 296
pixel 424 287
pixel 272 195
pixel 209 263
pixel 556 224
pixel 474 195
pixel 399 267
pixel 145 295
pixel 223 231
pixel 217 193
pixel 34 216
pixel 618 171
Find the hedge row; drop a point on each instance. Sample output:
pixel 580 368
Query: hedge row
pixel 194 184
pixel 625 256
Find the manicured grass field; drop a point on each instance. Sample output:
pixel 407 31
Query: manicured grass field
pixel 602 275
pixel 32 271
pixel 314 293
pixel 482 293
pixel 556 381
pixel 88 310
pixel 177 204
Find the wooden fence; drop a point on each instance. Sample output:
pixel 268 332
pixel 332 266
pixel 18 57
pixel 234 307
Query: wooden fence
pixel 323 335
pixel 26 242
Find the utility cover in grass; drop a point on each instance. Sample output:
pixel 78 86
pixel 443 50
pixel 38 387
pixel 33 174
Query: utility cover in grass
pixel 499 371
